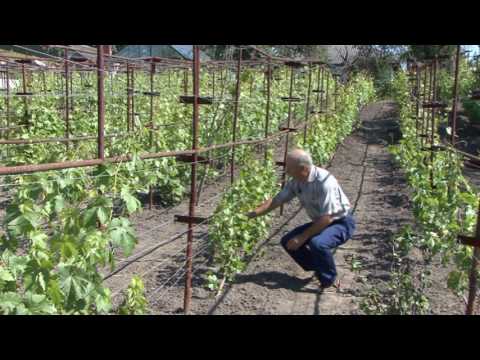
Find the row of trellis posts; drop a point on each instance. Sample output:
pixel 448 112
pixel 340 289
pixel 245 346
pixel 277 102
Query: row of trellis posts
pixel 423 75
pixel 192 156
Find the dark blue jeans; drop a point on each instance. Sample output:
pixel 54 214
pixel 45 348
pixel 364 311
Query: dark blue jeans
pixel 316 254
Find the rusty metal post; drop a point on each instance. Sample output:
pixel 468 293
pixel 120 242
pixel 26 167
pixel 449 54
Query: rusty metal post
pixel 424 99
pixel 417 98
pixel 320 70
pixel 7 98
pixel 185 82
pixel 335 94
pixel 72 98
pixel 24 80
pixel 455 96
pixel 132 83
pixel 110 75
pixel 25 103
pixel 235 114
pixel 428 100
pixel 264 85
pixel 251 85
pixel 472 288
pixel 267 110
pixel 213 83
pixel 307 106
pixel 196 90
pixel 44 82
pixel 67 112
pixel 284 174
pixel 322 90
pixel 101 103
pixel 129 95
pixel 326 95
pixel 152 73
pixel 432 138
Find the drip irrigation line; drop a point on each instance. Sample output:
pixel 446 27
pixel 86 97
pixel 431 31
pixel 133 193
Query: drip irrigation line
pixel 134 258
pixel 178 274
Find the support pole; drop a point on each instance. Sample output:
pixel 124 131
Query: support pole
pixel 335 94
pixel 424 99
pixel 129 98
pixel 307 106
pixel 213 83
pixel 267 110
pixel 455 96
pixel 417 98
pixel 196 90
pixel 44 82
pixel 67 107
pixel 326 95
pixel 25 101
pixel 101 103
pixel 71 91
pixel 432 135
pixel 132 99
pixel 152 74
pixel 7 98
pixel 185 82
pixel 320 70
pixel 235 114
pixel 284 174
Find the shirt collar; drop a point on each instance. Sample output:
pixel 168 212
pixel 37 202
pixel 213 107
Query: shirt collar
pixel 311 176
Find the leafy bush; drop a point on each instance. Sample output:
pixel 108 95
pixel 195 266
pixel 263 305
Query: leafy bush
pixel 472 109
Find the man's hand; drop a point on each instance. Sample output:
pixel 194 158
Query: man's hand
pixel 296 243
pixel 263 209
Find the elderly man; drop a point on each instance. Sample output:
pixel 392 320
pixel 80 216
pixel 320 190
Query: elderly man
pixel 311 244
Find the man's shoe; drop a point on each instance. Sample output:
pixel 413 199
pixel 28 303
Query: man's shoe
pixel 335 285
pixel 307 281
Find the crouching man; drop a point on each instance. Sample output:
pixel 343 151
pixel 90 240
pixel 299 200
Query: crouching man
pixel 311 244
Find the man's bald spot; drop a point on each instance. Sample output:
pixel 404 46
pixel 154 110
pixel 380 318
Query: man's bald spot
pixel 299 158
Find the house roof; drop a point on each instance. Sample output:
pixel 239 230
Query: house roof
pixel 83 52
pixel 24 52
pixel 184 52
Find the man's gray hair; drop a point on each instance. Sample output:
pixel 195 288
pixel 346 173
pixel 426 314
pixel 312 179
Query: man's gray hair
pixel 301 157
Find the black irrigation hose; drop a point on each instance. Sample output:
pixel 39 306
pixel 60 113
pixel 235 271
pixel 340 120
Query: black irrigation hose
pixel 134 258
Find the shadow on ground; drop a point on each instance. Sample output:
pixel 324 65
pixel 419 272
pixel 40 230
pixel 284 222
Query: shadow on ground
pixel 277 280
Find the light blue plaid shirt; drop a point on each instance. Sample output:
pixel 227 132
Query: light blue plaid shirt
pixel 320 195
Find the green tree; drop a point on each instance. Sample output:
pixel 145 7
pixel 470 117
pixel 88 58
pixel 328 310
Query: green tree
pixel 421 52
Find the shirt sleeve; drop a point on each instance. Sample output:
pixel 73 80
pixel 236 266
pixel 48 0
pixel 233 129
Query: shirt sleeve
pixel 286 194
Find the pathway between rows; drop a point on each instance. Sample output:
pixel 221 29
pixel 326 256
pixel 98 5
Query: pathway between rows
pixel 274 284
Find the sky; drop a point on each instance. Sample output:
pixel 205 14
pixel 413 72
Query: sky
pixel 473 48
